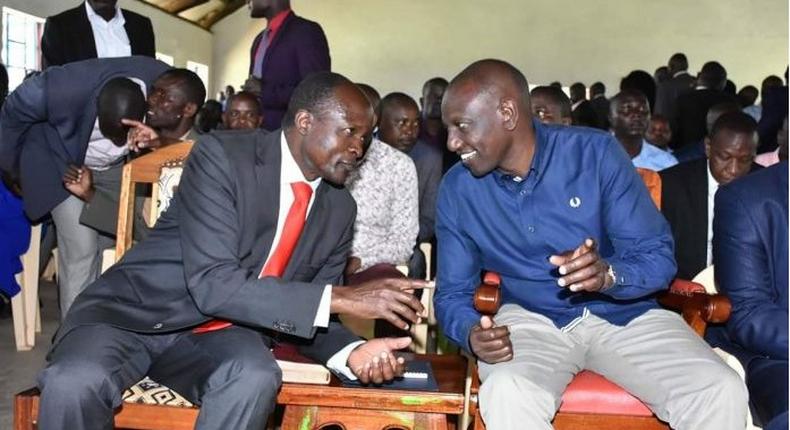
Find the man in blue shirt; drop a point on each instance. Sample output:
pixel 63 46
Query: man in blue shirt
pixel 561 214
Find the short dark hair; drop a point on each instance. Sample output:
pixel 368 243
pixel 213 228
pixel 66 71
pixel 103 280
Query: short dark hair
pixel 484 74
pixel 119 98
pixel 373 97
pixel 438 80
pixel 315 94
pixel 770 81
pixel 246 95
pixel 555 96
pixel 189 83
pixel 597 88
pixel 735 122
pixel 625 94
pixel 748 95
pixel 678 62
pixel 713 75
pixel 396 99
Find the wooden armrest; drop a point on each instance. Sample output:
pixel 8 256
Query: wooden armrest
pixel 698 309
pixel 488 297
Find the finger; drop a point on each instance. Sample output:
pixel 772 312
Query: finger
pixel 407 307
pixel 560 259
pixel 486 322
pixel 131 122
pixel 396 343
pixel 395 320
pixel 579 262
pixel 493 344
pixel 387 366
pixel 504 354
pixel 591 284
pixel 376 374
pixel 588 270
pixel 364 374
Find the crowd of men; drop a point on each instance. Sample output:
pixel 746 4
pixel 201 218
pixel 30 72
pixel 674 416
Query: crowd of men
pixel 305 191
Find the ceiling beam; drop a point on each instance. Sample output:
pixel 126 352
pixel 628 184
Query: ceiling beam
pixel 211 18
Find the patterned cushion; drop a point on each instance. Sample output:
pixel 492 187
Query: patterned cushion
pixel 149 392
pixel 169 178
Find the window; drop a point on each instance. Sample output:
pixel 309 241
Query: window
pixel 167 59
pixel 21 40
pixel 201 70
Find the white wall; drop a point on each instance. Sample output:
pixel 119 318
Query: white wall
pixel 174 36
pixel 397 45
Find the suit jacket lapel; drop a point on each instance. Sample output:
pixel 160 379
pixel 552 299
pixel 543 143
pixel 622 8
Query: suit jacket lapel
pixel 267 175
pixel 85 38
pixel 698 187
pixel 276 41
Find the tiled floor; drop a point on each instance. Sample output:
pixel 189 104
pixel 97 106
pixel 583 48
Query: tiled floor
pixel 18 369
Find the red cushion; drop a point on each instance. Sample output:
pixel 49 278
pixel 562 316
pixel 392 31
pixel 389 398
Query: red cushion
pixel 591 393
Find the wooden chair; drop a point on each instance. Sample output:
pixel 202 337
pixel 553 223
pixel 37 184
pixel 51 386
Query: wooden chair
pixel 24 306
pixel 151 406
pixel 617 409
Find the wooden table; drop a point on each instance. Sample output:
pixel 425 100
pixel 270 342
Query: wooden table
pixel 313 406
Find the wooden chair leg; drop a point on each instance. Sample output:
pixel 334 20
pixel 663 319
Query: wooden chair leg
pixel 23 413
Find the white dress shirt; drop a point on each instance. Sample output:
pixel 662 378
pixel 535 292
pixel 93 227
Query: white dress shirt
pixel 713 186
pixel 290 172
pixel 110 36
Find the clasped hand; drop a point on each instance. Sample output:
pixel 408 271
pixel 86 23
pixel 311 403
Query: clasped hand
pixel 389 299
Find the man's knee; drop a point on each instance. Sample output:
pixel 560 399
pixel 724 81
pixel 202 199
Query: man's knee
pixel 256 376
pixel 506 390
pixel 78 381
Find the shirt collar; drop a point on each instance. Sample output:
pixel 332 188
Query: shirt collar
pixel 712 184
pixel 94 17
pixel 277 21
pixel 289 170
pixel 682 72
pixel 539 159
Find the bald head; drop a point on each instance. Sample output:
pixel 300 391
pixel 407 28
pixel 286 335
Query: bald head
pixel 119 98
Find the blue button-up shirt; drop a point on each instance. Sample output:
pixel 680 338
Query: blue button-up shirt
pixel 581 184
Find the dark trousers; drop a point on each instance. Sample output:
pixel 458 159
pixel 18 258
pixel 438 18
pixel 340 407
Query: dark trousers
pixel 230 373
pixel 381 328
pixel 768 395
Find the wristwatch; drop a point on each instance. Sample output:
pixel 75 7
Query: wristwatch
pixel 610 273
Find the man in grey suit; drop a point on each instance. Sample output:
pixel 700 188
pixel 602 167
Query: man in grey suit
pixel 202 262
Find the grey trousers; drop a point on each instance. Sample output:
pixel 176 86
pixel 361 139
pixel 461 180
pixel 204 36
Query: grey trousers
pixel 656 357
pixel 79 251
pixel 230 373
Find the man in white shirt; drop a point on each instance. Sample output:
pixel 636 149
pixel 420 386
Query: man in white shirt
pixel 96 29
pixel 688 189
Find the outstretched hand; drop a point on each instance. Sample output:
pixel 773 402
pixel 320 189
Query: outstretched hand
pixel 373 361
pixel 141 136
pixel 389 299
pixel 582 269
pixel 79 181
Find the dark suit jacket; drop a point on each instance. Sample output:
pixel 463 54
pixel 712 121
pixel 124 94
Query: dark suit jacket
pixel 299 48
pixel 684 203
pixel 668 92
pixel 202 259
pixel 692 108
pixel 68 36
pixel 775 107
pixel 46 123
pixel 584 115
pixel 601 107
pixel 750 259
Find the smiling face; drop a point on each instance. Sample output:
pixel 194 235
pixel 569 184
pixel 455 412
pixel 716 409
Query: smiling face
pixel 474 128
pixel 335 140
pixel 166 103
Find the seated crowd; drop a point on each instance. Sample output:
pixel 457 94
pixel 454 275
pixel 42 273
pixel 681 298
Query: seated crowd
pixel 306 195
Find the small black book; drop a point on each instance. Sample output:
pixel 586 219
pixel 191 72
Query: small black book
pixel 418 377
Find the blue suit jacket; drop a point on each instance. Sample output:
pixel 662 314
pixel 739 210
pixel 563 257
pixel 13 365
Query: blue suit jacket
pixel 299 48
pixel 750 257
pixel 46 123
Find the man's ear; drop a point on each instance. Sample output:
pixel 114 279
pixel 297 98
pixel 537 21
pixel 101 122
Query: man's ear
pixel 303 121
pixel 707 147
pixel 508 112
pixel 190 110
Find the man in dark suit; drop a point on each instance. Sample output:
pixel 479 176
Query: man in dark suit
pixel 692 106
pixel 688 189
pixel 95 29
pixel 582 112
pixel 48 124
pixel 750 257
pixel 152 312
pixel 600 104
pixel 680 82
pixel 284 53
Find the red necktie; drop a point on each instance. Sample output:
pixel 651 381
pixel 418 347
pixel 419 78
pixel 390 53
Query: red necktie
pixel 292 229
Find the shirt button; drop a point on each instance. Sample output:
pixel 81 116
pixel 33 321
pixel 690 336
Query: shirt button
pixel 157 326
pixel 531 229
pixel 523 192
